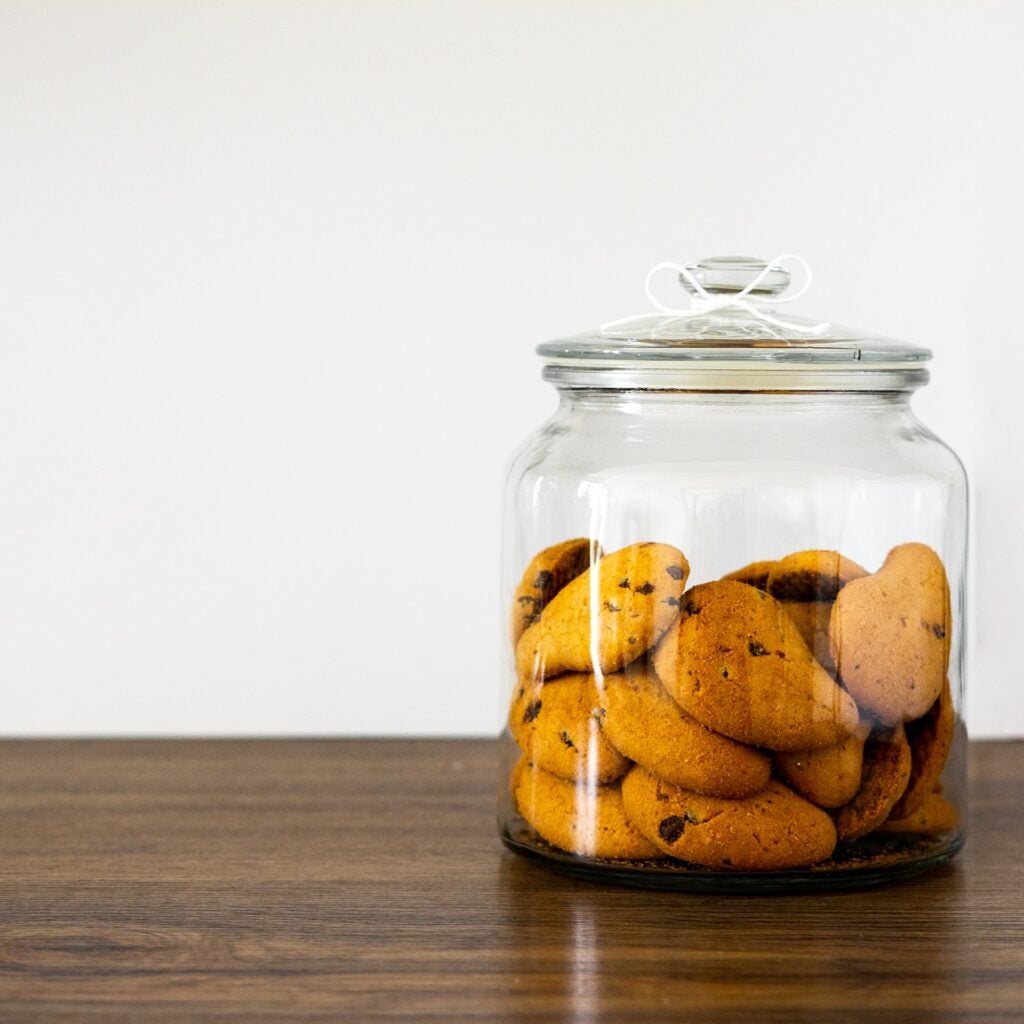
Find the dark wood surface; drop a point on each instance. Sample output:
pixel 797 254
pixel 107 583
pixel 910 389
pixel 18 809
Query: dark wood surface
pixel 256 881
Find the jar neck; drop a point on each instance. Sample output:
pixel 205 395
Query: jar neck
pixel 605 399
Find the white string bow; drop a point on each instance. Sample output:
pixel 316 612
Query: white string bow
pixel 704 302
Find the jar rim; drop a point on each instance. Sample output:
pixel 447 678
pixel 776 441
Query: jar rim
pixel 721 375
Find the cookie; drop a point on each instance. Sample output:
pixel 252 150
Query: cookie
pixel 643 722
pixel 736 662
pixel 588 820
pixel 547 573
pixel 770 831
pixel 829 777
pixel 930 738
pixel 890 633
pixel 812 619
pixel 935 814
pixel 754 575
pixel 883 779
pixel 636 592
pixel 557 728
pixel 812 575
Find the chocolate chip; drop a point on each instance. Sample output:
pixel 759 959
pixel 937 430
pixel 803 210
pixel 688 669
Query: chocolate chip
pixel 612 607
pixel 532 711
pixel 631 640
pixel 567 739
pixel 675 571
pixel 756 649
pixel 625 584
pixel 725 673
pixel 671 601
pixel 691 608
pixel 543 580
pixel 939 632
pixel 645 588
pixel 671 828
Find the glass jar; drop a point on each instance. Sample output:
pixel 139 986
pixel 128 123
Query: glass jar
pixel 734 567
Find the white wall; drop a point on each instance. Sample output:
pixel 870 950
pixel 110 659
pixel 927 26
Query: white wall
pixel 271 275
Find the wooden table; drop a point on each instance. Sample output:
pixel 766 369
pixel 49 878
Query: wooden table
pixel 254 881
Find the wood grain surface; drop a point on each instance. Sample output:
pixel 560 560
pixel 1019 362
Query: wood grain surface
pixel 255 881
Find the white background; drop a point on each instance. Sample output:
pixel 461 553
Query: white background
pixel 271 275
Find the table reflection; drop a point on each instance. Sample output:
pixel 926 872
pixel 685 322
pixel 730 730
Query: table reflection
pixel 601 952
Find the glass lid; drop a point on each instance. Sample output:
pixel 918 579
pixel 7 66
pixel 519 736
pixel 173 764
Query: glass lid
pixel 729 335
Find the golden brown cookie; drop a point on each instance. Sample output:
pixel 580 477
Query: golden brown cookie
pixel 812 575
pixel 754 575
pixel 829 777
pixel 812 619
pixel 637 591
pixel 890 635
pixel 588 820
pixel 549 571
pixel 644 723
pixel 930 738
pixel 936 814
pixel 736 662
pixel 883 779
pixel 772 830
pixel 557 727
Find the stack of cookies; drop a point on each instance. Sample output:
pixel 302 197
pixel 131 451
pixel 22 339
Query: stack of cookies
pixel 749 723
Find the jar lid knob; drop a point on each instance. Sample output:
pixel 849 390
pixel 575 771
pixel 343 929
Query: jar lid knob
pixel 722 284
pixel 730 275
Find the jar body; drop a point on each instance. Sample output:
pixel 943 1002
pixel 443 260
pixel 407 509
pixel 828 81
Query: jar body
pixel 765 731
